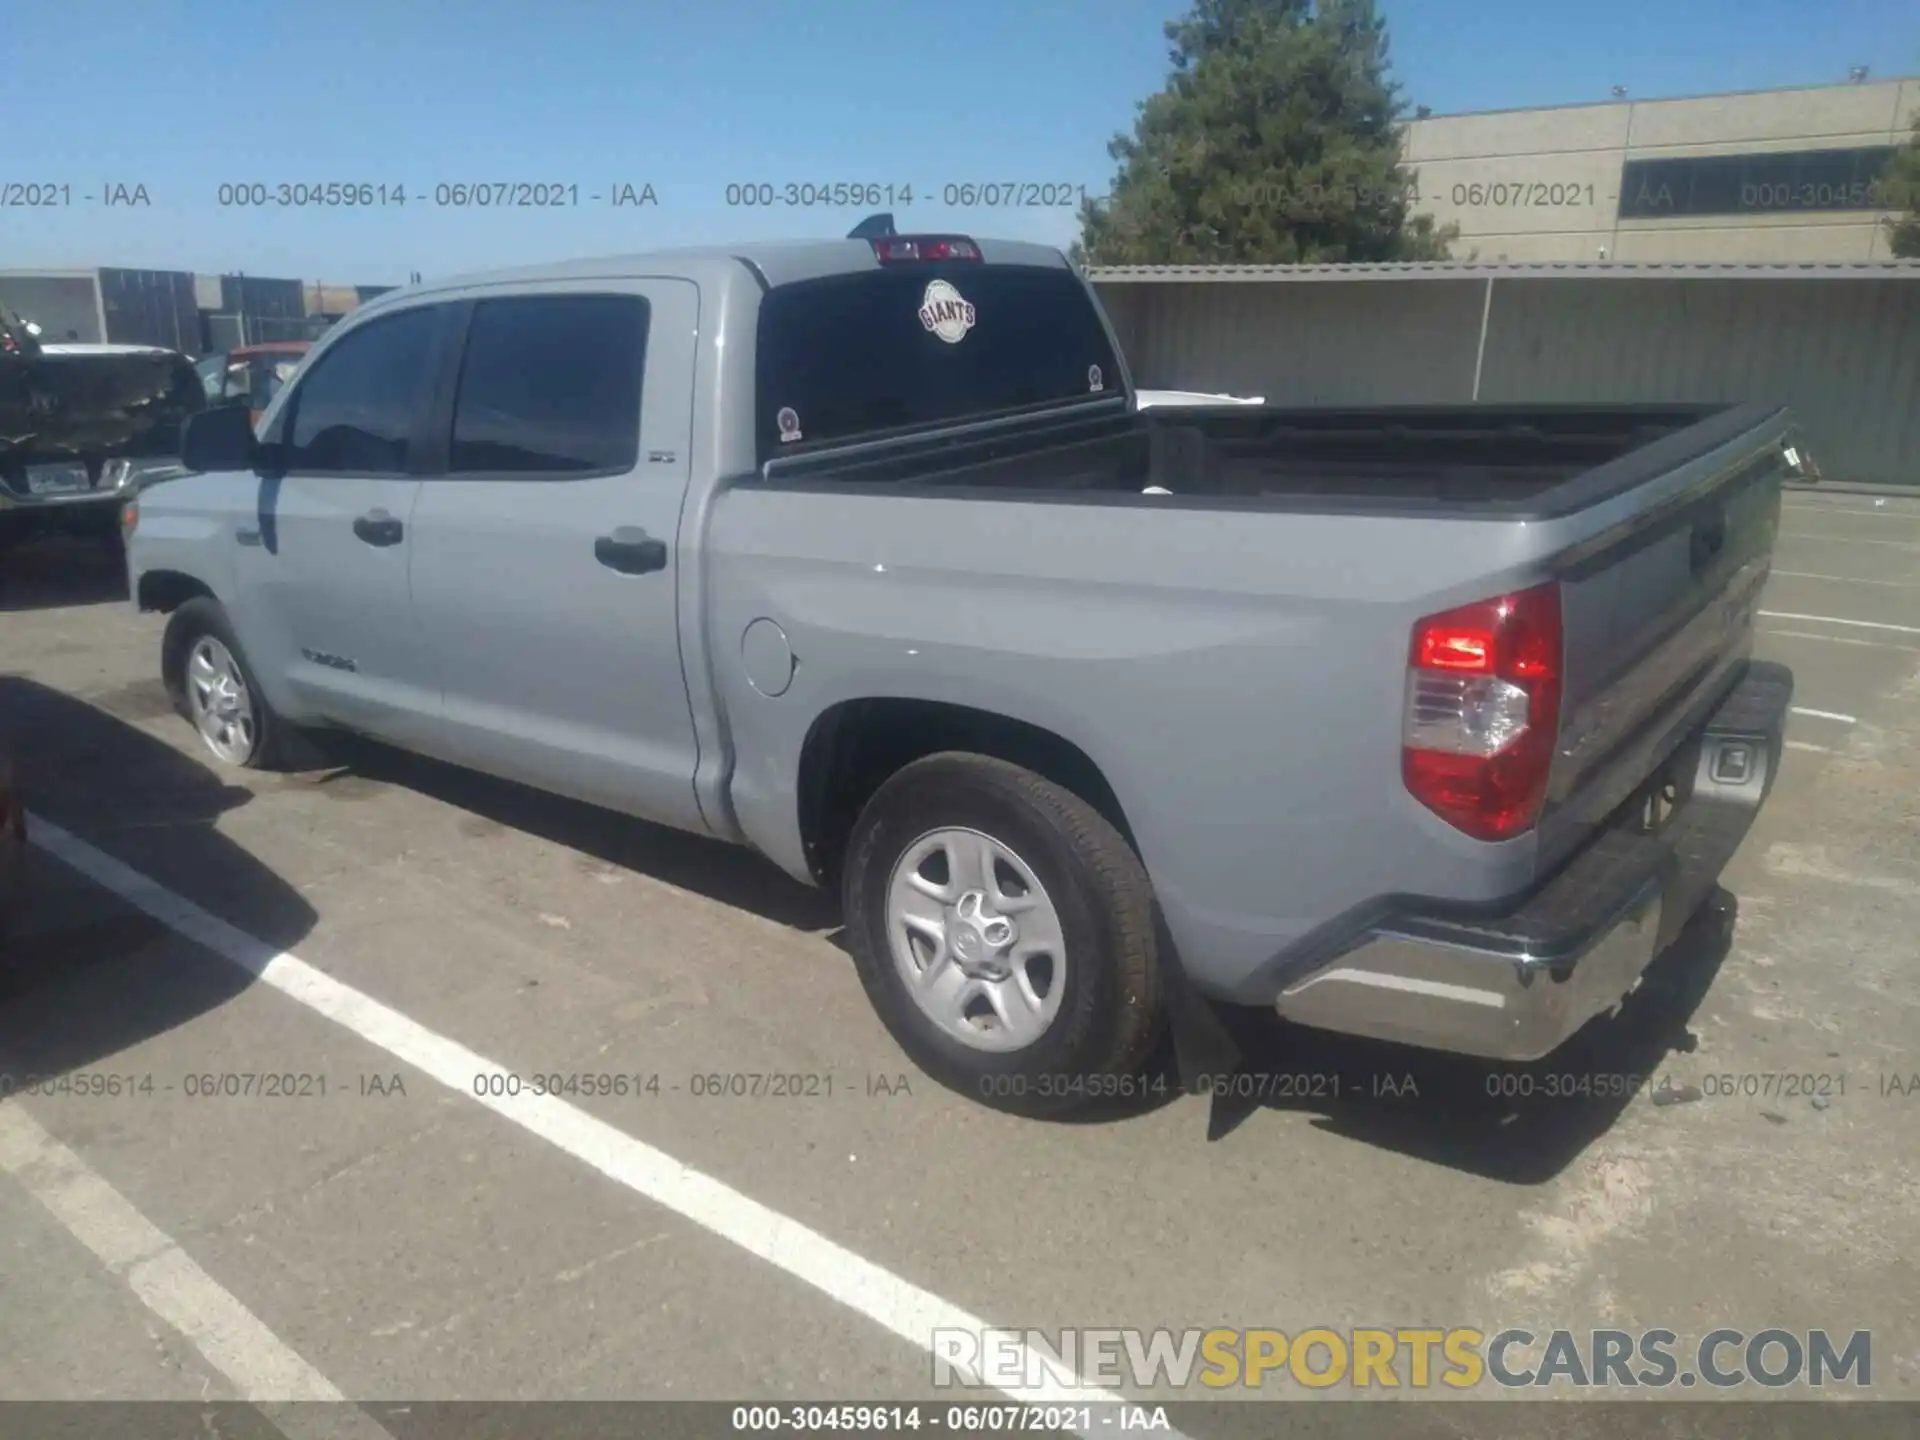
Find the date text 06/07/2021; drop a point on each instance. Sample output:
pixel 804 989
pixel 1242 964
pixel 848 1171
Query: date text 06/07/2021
pixel 876 195
pixel 443 195
pixel 570 194
pixel 485 1085
pixel 1326 1087
pixel 991 1418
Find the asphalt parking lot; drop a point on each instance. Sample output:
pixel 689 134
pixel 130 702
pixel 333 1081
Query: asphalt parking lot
pixel 393 936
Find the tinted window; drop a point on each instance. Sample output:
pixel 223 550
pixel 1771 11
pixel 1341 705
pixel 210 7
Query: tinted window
pixel 1786 181
pixel 551 383
pixel 852 355
pixel 354 412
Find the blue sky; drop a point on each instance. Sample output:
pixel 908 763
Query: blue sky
pixel 687 98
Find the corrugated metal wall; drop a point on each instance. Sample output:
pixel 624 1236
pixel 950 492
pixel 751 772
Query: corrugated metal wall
pixel 1844 353
pixel 65 307
pixel 151 307
pixel 257 295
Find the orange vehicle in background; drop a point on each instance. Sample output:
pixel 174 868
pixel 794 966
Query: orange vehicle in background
pixel 250 374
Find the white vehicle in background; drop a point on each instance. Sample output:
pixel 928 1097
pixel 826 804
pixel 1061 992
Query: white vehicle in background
pixel 1146 398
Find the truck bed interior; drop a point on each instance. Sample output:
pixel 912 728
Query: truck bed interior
pixel 1460 454
pixel 1448 457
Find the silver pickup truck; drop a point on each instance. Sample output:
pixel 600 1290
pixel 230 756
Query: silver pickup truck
pixel 1432 725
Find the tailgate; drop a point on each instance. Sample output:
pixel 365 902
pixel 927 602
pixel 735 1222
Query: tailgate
pixel 1658 611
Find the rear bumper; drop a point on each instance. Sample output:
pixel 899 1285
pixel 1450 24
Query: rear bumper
pixel 79 512
pixel 1515 985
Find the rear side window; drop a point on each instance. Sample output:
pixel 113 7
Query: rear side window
pixel 551 384
pixel 353 415
pixel 852 356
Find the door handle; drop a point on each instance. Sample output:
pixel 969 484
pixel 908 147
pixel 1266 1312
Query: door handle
pixel 247 536
pixel 631 551
pixel 377 527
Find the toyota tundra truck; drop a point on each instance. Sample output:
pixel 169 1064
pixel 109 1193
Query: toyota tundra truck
pixel 1432 725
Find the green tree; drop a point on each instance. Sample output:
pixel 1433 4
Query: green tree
pixel 1275 141
pixel 1903 194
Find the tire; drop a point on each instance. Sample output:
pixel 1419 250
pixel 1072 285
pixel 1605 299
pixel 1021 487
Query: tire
pixel 203 618
pixel 1110 1013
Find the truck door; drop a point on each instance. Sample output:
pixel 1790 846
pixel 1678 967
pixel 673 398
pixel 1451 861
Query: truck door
pixel 321 566
pixel 545 566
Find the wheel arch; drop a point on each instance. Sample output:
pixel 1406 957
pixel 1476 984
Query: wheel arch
pixel 853 746
pixel 165 591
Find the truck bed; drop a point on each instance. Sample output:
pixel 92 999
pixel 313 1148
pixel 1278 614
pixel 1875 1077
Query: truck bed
pixel 1491 457
pixel 1023 557
pixel 1508 461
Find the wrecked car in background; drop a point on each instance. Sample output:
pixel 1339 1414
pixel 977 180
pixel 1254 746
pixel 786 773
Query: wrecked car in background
pixel 81 428
pixel 17 336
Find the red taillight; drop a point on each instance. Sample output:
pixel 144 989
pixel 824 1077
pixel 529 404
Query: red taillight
pixel 893 249
pixel 1483 711
pixel 1452 648
pixel 129 518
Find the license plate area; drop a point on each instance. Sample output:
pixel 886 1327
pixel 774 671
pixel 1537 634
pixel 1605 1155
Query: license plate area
pixel 1663 797
pixel 58 479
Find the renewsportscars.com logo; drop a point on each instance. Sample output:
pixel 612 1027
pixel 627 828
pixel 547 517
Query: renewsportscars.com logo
pixel 1415 1358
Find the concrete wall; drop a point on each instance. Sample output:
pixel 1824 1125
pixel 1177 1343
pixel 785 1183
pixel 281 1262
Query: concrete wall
pixel 1845 353
pixel 1549 180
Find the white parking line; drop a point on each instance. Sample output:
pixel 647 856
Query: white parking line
pixel 261 1367
pixel 1825 715
pixel 1804 745
pixel 1789 535
pixel 889 1301
pixel 1836 620
pixel 1843 640
pixel 1878 514
pixel 1849 579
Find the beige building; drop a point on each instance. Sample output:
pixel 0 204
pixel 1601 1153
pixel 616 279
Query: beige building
pixel 1761 176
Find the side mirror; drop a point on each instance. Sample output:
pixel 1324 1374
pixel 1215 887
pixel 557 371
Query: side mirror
pixel 219 439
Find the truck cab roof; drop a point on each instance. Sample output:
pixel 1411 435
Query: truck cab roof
pixel 769 262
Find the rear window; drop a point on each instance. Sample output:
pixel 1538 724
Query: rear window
pixel 855 356
pixel 551 384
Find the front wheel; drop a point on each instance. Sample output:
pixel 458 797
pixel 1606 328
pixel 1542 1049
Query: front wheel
pixel 1003 929
pixel 214 689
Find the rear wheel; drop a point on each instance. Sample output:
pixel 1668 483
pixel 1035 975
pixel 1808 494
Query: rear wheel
pixel 214 688
pixel 1003 929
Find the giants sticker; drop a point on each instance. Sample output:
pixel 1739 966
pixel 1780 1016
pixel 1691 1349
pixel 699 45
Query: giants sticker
pixel 946 312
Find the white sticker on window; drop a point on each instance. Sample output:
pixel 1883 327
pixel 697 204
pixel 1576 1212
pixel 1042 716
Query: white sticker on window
pixel 1095 381
pixel 946 312
pixel 789 422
